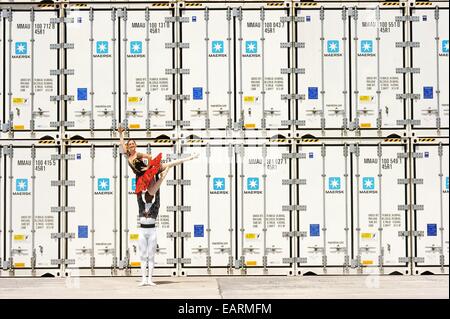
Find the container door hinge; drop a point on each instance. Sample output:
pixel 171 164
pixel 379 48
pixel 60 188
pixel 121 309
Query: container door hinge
pixel 292 19
pixel 182 97
pixel 178 123
pixel 62 20
pixel 175 45
pixel 57 98
pixel 411 260
pixel 62 123
pixel 63 209
pixel 412 207
pixel 62 235
pixel 301 208
pixel 63 261
pixel 407 44
pixel 177 70
pixel 407 19
pixel 410 96
pixel 62 183
pixel 293 155
pixel 292 96
pixel 179 260
pixel 293 122
pixel 407 70
pixel 177 19
pixel 298 45
pixel 292 71
pixel 300 234
pixel 298 260
pixel 179 208
pixel 404 181
pixel 408 122
pixel 58 46
pixel 184 182
pixel 413 233
pixel 293 182
pixel 57 157
pixel 62 72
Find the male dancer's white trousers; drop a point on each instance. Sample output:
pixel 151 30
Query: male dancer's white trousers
pixel 147 249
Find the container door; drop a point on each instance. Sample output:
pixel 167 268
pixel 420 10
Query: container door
pixel 30 197
pixel 377 68
pixel 31 85
pixel 263 217
pixel 209 59
pixel 379 199
pixel 261 67
pixel 94 59
pixel 431 57
pixel 210 220
pixel 432 245
pixel 325 200
pixel 323 55
pixel 147 62
pixel 95 197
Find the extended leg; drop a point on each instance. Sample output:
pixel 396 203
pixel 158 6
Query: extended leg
pixel 151 255
pixel 143 251
pixel 177 162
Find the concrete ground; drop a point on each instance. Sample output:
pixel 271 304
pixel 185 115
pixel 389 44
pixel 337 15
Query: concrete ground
pixel 313 287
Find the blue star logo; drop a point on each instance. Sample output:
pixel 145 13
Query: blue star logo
pixel 21 48
pixel 366 46
pixel 253 183
pixel 251 47
pixel 334 183
pixel 333 46
pixel 21 185
pixel 217 47
pixel 219 183
pixel 103 184
pixel 102 47
pixel 136 47
pixel 368 183
pixel 444 46
pixel 133 184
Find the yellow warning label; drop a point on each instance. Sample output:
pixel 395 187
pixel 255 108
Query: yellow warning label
pixel 19 237
pixel 367 235
pixel 135 264
pixel 367 262
pixel 250 125
pixel 250 236
pixel 134 99
pixel 134 236
pixel 19 265
pixel 365 125
pixel 249 99
pixel 18 100
pixel 135 125
pixel 251 263
pixel 365 98
pixel 19 127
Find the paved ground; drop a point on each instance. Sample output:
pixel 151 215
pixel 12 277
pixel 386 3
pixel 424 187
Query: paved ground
pixel 232 287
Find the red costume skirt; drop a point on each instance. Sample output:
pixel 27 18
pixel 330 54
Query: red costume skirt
pixel 144 181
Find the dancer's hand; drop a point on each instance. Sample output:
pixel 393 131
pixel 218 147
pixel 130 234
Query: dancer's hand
pixel 120 129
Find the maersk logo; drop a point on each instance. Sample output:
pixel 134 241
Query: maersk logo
pixel 21 187
pixel 133 185
pixel 444 47
pixel 102 49
pixel 218 186
pixel 21 50
pixel 135 49
pixel 366 48
pixel 217 49
pixel 334 185
pixel 333 48
pixel 368 185
pixel 251 49
pixel 103 186
pixel 253 186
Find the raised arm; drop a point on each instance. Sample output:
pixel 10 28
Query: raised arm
pixel 122 142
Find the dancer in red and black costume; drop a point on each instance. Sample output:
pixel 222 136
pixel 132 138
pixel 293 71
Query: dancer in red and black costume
pixel 148 181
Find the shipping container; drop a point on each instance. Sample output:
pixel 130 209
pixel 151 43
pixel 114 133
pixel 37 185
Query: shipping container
pixel 31 91
pixel 430 79
pixel 430 206
pixel 31 223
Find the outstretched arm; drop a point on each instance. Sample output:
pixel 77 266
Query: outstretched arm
pixel 122 142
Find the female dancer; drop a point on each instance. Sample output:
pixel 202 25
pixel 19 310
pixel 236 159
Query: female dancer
pixel 149 178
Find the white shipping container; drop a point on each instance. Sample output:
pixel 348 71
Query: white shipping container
pixel 432 210
pixel 431 82
pixel 31 84
pixel 29 202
